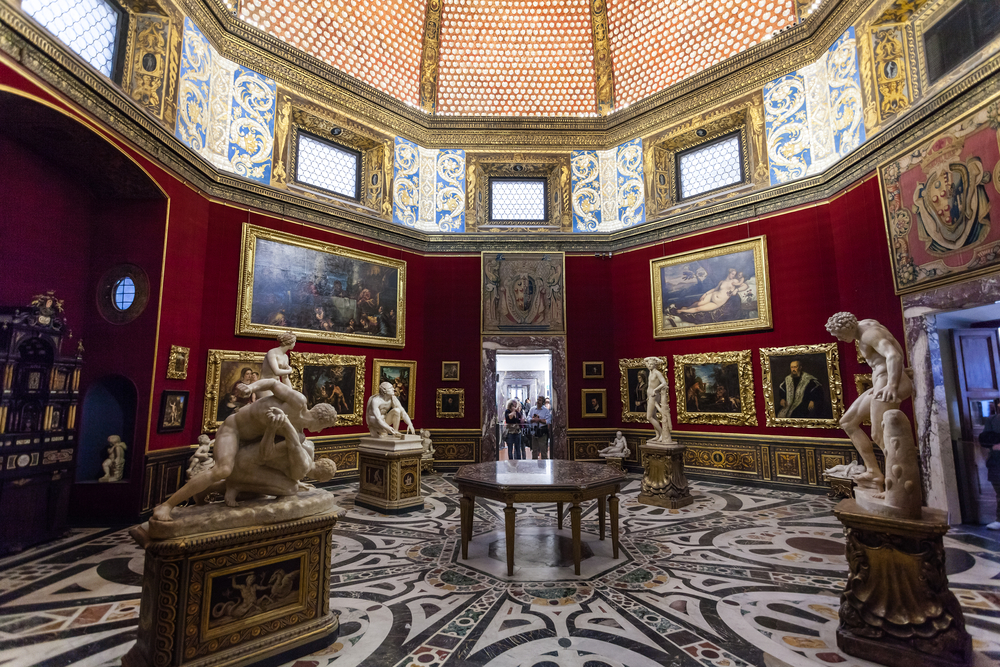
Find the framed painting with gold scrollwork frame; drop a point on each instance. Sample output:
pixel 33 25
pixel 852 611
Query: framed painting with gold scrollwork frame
pixel 225 369
pixel 177 363
pixel 336 379
pixel 818 369
pixel 402 375
pixel 715 388
pixel 721 289
pixel 450 403
pixel 633 389
pixel 322 292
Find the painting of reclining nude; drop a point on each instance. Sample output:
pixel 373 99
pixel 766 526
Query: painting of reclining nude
pixel 714 290
pixel 321 291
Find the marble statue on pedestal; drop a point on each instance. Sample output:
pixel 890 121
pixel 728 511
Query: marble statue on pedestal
pixel 276 364
pixel 384 412
pixel 618 449
pixel 426 443
pixel 658 401
pixel 272 468
pixel 202 459
pixel 114 465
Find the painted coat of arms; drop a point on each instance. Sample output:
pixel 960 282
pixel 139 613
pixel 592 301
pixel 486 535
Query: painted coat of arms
pixel 523 293
pixel 938 197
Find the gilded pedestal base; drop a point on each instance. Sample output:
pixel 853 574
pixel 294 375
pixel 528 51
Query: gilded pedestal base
pixel 663 480
pixel 234 597
pixel 427 464
pixel 614 462
pixel 896 608
pixel 840 487
pixel 390 475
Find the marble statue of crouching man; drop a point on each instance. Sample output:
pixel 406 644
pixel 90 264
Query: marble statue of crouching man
pixel 248 453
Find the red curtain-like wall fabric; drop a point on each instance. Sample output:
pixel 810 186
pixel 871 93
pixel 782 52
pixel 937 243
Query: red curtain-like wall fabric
pixel 822 258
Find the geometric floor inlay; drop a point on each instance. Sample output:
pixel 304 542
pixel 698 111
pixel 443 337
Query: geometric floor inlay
pixel 743 576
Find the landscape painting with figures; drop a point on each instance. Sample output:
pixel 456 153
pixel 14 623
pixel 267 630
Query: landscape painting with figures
pixel 400 374
pixel 254 592
pixel 715 290
pixel 334 379
pixel 322 292
pixel 715 388
pixel 712 388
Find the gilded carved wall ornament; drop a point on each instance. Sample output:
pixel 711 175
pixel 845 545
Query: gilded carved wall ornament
pixel 603 69
pixel 149 60
pixel 430 56
pixel 279 175
pixel 891 71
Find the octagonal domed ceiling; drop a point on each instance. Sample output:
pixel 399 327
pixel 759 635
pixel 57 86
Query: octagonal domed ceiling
pixel 520 57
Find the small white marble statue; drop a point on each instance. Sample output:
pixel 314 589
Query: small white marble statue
pixel 202 459
pixel 658 400
pixel 427 444
pixel 618 449
pixel 848 470
pixel 902 472
pixel 114 465
pixel 891 385
pixel 272 468
pixel 276 364
pixel 384 412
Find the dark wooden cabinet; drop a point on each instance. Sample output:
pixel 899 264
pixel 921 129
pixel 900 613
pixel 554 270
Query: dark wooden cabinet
pixel 38 413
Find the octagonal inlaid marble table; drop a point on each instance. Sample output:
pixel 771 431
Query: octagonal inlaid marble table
pixel 540 481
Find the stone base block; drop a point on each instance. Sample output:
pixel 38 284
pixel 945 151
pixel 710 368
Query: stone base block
pixel 663 480
pixel 427 464
pixel 390 475
pixel 235 597
pixel 897 609
pixel 614 462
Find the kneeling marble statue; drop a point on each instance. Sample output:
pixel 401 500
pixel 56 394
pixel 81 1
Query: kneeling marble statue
pixel 384 412
pixel 249 456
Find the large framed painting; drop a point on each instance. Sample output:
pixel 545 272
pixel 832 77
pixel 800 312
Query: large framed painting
pixel 226 369
pixel 715 388
pixel 713 290
pixel 523 293
pixel 337 379
pixel 937 196
pixel 322 292
pixel 802 385
pixel 634 380
pixel 402 375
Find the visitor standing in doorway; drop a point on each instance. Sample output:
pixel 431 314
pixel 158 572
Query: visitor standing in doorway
pixel 512 436
pixel 990 439
pixel 540 419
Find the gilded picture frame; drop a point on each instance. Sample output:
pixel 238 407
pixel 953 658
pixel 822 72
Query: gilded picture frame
pixel 336 379
pixel 225 368
pixel 173 411
pixel 817 383
pixel 322 292
pixel 523 293
pixel 862 383
pixel 177 363
pixel 450 371
pixel 721 289
pixel 450 403
pixel 715 388
pixel 634 378
pixel 593 370
pixel 593 403
pixel 402 375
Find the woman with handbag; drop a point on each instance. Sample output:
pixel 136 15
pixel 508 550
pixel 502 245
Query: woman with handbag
pixel 512 435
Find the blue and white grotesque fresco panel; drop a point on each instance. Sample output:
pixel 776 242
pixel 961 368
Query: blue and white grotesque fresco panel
pixel 450 196
pixel 845 94
pixel 193 89
pixel 586 190
pixel 251 127
pixel 406 183
pixel 631 193
pixel 787 129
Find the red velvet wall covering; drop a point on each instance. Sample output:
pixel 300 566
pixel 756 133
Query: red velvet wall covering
pixel 823 258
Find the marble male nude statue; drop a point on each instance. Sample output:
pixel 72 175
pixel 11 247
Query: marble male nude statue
pixel 384 412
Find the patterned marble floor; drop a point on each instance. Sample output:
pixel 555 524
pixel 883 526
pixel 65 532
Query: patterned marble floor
pixel 744 576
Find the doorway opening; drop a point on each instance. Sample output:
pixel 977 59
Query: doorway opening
pixel 521 376
pixel 971 369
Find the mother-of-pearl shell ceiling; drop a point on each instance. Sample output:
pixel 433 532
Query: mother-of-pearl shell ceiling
pixel 521 57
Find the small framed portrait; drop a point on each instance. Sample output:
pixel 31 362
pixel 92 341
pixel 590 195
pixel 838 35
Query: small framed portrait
pixel 450 403
pixel 173 411
pixel 715 388
pixel 449 371
pixel 227 369
pixel 594 402
pixel 177 364
pixel 802 385
pixel 593 370
pixel 862 383
pixel 336 379
pixel 402 375
pixel 634 380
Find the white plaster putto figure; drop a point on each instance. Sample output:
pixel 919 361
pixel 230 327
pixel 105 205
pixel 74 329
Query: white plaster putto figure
pixel 618 449
pixel 202 459
pixel 114 465
pixel 426 443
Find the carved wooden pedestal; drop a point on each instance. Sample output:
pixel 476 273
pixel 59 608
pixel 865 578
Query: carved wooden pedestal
pixel 896 609
pixel 663 480
pixel 235 597
pixel 614 462
pixel 390 474
pixel 427 464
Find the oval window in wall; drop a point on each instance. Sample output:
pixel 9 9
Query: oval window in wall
pixel 123 293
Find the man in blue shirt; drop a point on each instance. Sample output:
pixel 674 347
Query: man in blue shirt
pixel 540 419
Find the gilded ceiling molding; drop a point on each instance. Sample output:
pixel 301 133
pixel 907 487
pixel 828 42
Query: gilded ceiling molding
pixel 279 175
pixel 430 55
pixel 604 81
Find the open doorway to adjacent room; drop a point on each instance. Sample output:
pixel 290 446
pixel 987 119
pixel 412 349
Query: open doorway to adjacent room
pixel 521 376
pixel 970 360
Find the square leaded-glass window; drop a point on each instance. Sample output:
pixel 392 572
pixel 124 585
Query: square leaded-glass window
pixel 328 166
pixel 88 27
pixel 518 200
pixel 710 166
